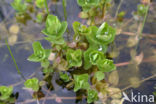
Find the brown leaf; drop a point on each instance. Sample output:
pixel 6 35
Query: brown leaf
pixel 12 39
pixel 139 58
pixel 115 93
pixel 114 78
pixel 132 41
pixel 134 81
pixel 14 29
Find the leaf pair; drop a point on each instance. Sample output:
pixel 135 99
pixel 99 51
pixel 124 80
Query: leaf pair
pixel 81 82
pixel 91 57
pixel 103 35
pixel 54 29
pixel 40 54
pixel 94 57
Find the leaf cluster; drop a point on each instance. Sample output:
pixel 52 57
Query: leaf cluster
pixel 6 95
pixel 74 57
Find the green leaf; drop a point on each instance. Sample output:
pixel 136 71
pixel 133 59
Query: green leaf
pixel 29 1
pixel 39 17
pixel 47 70
pixel 19 6
pixel 45 63
pixel 92 96
pixel 121 14
pixel 74 57
pixel 87 63
pixel 32 83
pixel 54 29
pixel 34 58
pixel 80 30
pixel 95 56
pixel 103 35
pixel 141 9
pixel 40 3
pixel 91 57
pixel 81 82
pixel 64 77
pixel 39 53
pixel 59 41
pixel 106 65
pixel 101 48
pixel 87 4
pixel 5 92
pixel 99 75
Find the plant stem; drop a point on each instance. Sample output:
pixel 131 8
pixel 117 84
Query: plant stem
pixel 64 3
pixel 46 5
pixel 118 8
pixel 143 24
pixel 14 60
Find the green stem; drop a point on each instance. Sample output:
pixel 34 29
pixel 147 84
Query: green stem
pixel 46 5
pixel 14 60
pixel 143 24
pixel 64 3
pixel 118 8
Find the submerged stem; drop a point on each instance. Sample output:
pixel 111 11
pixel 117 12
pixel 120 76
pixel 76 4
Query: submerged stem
pixel 14 60
pixel 143 24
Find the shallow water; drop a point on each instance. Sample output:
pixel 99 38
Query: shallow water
pixel 31 31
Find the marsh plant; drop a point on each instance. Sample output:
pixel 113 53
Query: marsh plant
pixel 81 65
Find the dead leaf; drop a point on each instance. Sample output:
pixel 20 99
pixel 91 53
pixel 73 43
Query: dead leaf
pixel 14 29
pixel 132 53
pixel 113 78
pixel 12 39
pixel 115 93
pixel 134 81
pixel 132 41
pixel 114 53
pixel 116 101
pixel 139 58
pixel 62 65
